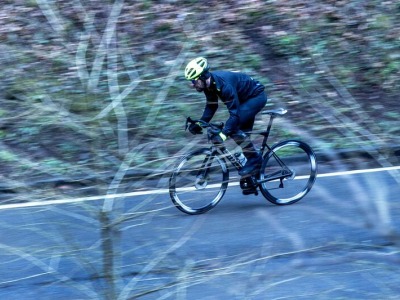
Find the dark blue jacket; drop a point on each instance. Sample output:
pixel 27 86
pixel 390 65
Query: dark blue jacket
pixel 233 88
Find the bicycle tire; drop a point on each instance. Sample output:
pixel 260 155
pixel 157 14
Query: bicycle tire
pixel 193 187
pixel 300 159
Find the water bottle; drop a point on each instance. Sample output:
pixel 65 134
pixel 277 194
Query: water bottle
pixel 241 158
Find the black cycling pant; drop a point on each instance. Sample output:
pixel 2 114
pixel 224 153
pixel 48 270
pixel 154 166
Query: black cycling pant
pixel 249 110
pixel 247 115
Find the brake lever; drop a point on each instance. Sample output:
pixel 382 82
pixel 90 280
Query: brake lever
pixel 188 120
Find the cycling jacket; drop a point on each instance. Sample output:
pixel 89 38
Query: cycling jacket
pixel 233 89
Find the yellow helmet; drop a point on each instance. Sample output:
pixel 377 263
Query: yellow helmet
pixel 196 67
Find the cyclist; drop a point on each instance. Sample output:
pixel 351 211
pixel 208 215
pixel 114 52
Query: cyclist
pixel 243 96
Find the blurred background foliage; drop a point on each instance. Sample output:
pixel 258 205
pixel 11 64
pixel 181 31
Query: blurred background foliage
pixel 89 86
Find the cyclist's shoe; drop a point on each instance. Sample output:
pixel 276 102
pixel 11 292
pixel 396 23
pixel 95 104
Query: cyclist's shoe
pixel 252 166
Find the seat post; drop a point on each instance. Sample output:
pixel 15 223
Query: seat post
pixel 266 134
pixel 273 114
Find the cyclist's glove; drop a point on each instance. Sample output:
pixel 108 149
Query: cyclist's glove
pixel 195 128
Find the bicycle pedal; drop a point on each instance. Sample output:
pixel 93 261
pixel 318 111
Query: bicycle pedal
pixel 250 191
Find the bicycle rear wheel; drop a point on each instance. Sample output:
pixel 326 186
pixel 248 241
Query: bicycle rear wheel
pixel 290 169
pixel 198 182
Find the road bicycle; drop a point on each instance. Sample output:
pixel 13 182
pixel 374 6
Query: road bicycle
pixel 201 177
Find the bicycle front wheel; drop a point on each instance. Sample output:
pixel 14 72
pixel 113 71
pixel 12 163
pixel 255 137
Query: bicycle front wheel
pixel 198 182
pixel 288 172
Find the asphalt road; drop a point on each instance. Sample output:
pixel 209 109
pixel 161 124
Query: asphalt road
pixel 339 242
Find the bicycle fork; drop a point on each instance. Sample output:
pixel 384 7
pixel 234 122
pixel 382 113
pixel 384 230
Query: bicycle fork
pixel 201 180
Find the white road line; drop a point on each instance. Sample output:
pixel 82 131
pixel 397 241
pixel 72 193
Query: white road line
pixel 81 199
pixel 359 172
pixel 165 191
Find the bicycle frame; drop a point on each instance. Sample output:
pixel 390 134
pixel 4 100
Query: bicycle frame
pixel 218 151
pixel 285 172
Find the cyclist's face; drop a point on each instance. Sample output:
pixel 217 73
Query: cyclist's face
pixel 199 85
